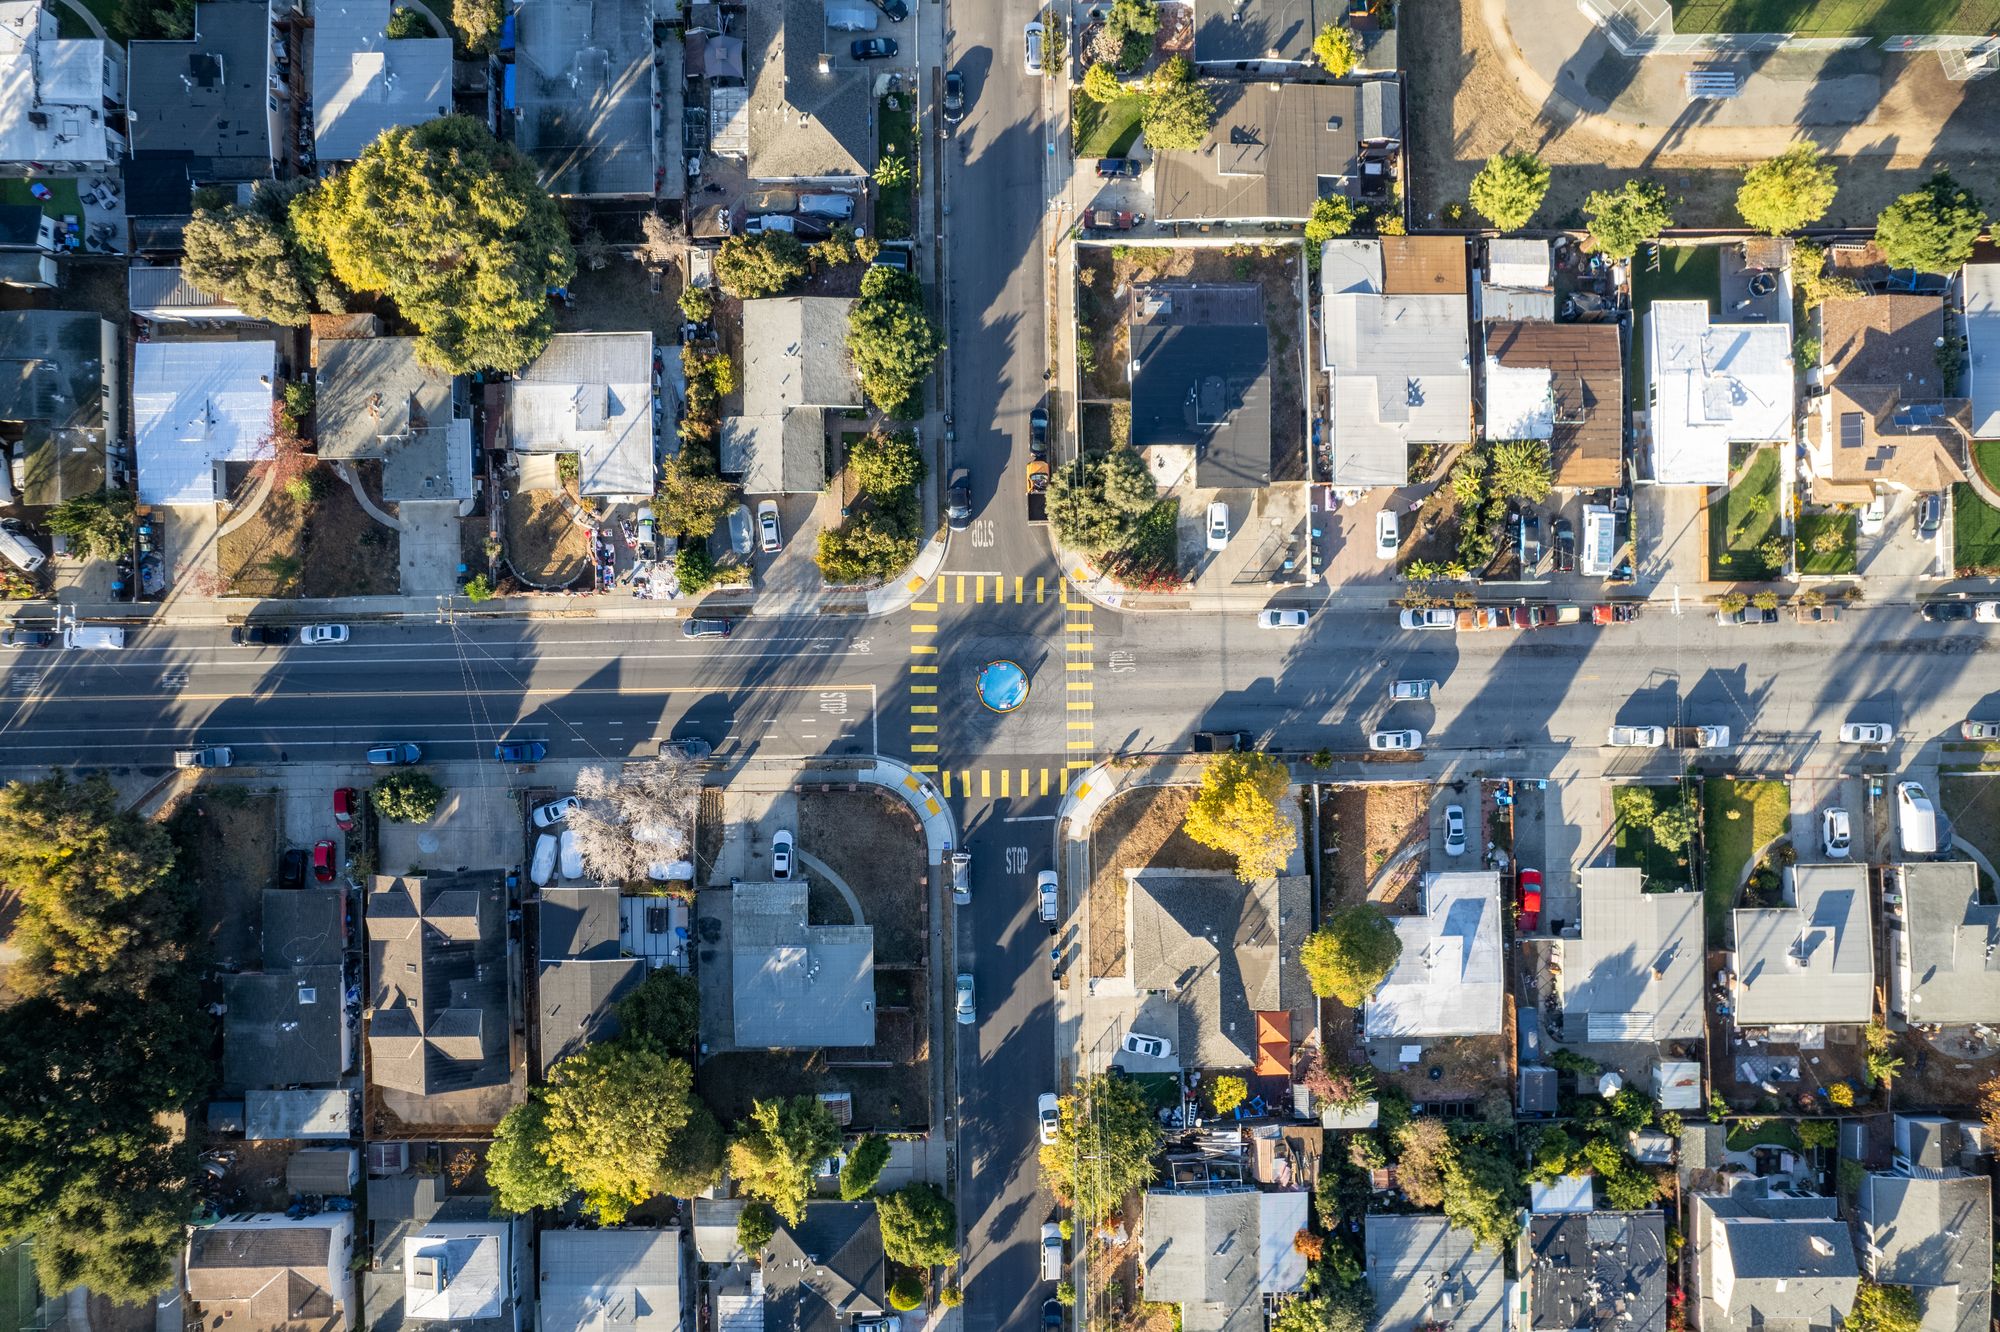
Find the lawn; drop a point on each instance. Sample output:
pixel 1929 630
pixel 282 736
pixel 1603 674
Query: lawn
pixel 1743 519
pixel 63 199
pixel 1975 524
pixel 1738 819
pixel 1838 18
pixel 1634 848
pixel 1686 273
pixel 1105 129
pixel 1745 1134
pixel 895 206
pixel 1816 527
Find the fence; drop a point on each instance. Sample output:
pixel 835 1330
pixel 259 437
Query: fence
pixel 1641 28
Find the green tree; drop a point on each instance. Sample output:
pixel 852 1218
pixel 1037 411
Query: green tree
pixel 1131 25
pixel 1509 188
pixel 694 568
pixel 1521 469
pixel 1227 1092
pixel 1792 190
pixel 1818 1133
pixel 885 466
pixel 749 267
pixel 477 23
pixel 863 549
pixel 1629 1188
pixel 1931 229
pixel 1236 812
pixel 408 797
pixel 892 172
pixel 1178 110
pixel 517 1167
pixel 694 1158
pixel 1880 1308
pixel 665 1011
pixel 1106 1137
pixel 697 304
pixel 863 1167
pixel 407 22
pixel 1635 806
pixel 613 1113
pixel 1351 954
pixel 1620 220
pixel 1337 49
pixel 1094 505
pixel 98 524
pixel 777 1150
pixel 918 1226
pixel 479 588
pixel 892 341
pixel 1332 216
pixel 116 1226
pixel 1483 1195
pixel 906 1292
pixel 242 256
pixel 756 1226
pixel 1424 1152
pixel 1673 826
pixel 455 228
pixel 1100 83
pixel 692 497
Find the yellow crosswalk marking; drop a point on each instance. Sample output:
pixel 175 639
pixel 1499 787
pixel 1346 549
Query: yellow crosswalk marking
pixel 978 591
pixel 932 707
pixel 985 783
pixel 1077 645
pixel 1083 665
pixel 1024 783
pixel 923 605
pixel 921 648
pixel 1074 685
pixel 1041 590
pixel 923 628
pixel 1082 744
pixel 947 783
pixel 1078 626
pixel 1045 781
pixel 1006 785
pixel 927 768
pixel 923 749
pixel 923 689
pixel 965 781
pixel 961 588
pixel 922 730
pixel 924 670
pixel 1018 580
pixel 1076 707
pixel 1081 726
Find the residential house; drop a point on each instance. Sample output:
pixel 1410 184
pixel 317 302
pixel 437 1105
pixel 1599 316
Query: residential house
pixel 795 371
pixel 1563 383
pixel 1708 386
pixel 1396 348
pixel 1261 36
pixel 403 1205
pixel 1632 970
pixel 588 96
pixel 1275 148
pixel 825 1274
pixel 285 1024
pixel 582 976
pixel 208 109
pixel 1516 283
pixel 1884 416
pixel 324 1115
pixel 1425 1273
pixel 1770 1262
pixel 467 1275
pixel 1944 946
pixel 376 400
pixel 60 97
pixel 589 394
pixel 1201 379
pixel 805 117
pixel 1812 960
pixel 1220 1251
pixel 365 82
pixel 1448 980
pixel 1594 1271
pixel 792 986
pixel 61 391
pixel 27 244
pixel 438 1009
pixel 1979 285
pixel 610 1281
pixel 1218 965
pixel 268 1271
pixel 197 408
pixel 1928 1226
pixel 161 294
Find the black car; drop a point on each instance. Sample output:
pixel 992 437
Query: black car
pixel 1052 1313
pixel 895 9
pixel 1947 612
pixel 1038 432
pixel 958 501
pixel 292 869
pixel 1117 168
pixel 873 48
pixel 705 629
pixel 954 97
pixel 260 635
pixel 692 749
pixel 1564 536
pixel 26 638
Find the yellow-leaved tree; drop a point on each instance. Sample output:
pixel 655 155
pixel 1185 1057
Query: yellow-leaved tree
pixel 1236 811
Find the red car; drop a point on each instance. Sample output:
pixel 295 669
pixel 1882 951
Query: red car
pixel 1531 900
pixel 345 798
pixel 323 857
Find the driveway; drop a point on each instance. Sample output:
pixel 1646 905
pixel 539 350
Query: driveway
pixel 1669 538
pixel 1897 555
pixel 428 553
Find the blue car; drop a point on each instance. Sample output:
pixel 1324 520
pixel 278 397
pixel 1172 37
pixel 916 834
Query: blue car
pixel 520 751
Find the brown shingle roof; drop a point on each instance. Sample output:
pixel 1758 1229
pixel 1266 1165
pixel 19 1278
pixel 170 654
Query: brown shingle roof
pixel 263 1280
pixel 1879 357
pixel 1423 266
pixel 1589 388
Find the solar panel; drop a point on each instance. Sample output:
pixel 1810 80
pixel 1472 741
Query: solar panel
pixel 1850 430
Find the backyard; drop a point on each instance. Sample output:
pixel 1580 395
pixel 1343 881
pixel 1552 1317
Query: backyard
pixel 1634 848
pixel 1374 839
pixel 1739 819
pixel 895 205
pixel 1975 524
pixel 326 547
pixel 1743 519
pixel 1685 273
pixel 1105 129
pixel 1825 541
pixel 1838 18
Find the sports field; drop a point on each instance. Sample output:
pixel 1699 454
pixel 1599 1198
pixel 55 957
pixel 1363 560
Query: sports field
pixel 1839 18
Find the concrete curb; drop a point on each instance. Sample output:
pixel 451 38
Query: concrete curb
pixel 897 595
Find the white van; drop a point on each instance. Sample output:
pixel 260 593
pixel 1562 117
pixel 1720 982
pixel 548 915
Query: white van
pixel 20 552
pixel 102 637
pixel 1052 1256
pixel 1916 820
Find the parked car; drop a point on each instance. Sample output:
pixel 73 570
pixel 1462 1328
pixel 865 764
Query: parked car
pixel 1218 526
pixel 1045 898
pixel 1563 535
pixel 1748 615
pixel 897 10
pixel 958 500
pixel 833 205
pixel 1524 617
pixel 211 756
pixel 769 537
pixel 1636 737
pixel 1411 691
pixel 872 48
pixel 292 869
pixel 260 635
pixel 1979 730
pixel 893 256
pixel 1052 1310
pixel 1930 515
pixel 781 854
pixel 569 857
pixel 1388 535
pixel 1875 515
pixel 323 634
pixel 1531 543
pixel 1454 830
pixel 1147 1047
pixel 1112 219
pixel 1986 612
pixel 954 97
pixel 542 867
pixel 1048 1116
pixel 692 749
pixel 1835 836
pixel 740 538
pixel 394 756
pixel 700 628
pixel 345 801
pixel 1531 900
pixel 963 1009
pixel 323 861
pixel 1947 612
pixel 1031 48
pixel 27 638
pixel 1119 168
pixel 961 878
pixel 1395 741
pixel 1866 733
pixel 1434 617
pixel 1038 433
pixel 1052 1251
pixel 556 811
pixel 1283 619
pixel 520 751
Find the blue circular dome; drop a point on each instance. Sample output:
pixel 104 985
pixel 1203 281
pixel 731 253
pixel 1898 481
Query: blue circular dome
pixel 1003 686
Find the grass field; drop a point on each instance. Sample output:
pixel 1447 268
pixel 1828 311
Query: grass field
pixel 1838 18
pixel 1687 273
pixel 1634 848
pixel 1975 532
pixel 1737 819
pixel 1839 560
pixel 1743 519
pixel 895 205
pixel 1105 129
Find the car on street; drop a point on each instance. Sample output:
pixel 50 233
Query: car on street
pixel 1031 48
pixel 740 538
pixel 292 869
pixel 1454 830
pixel 1930 515
pixel 323 634
pixel 958 501
pixel 394 756
pixel 770 538
pixel 1045 898
pixel 212 756
pixel 571 859
pixel 1947 612
pixel 1395 741
pixel 954 97
pixel 1038 433
pixel 1563 536
pixel 1220 742
pixel 781 854
pixel 1531 900
pixel 1636 737
pixel 1147 1047
pixel 1048 1116
pixel 1979 730
pixel 1218 526
pixel 1986 612
pixel 897 10
pixel 1526 617
pixel 556 811
pixel 520 751
pixel 700 628
pixel 1052 1310
pixel 1411 691
pixel 1283 619
pixel 1866 733
pixel 1118 168
pixel 1483 617
pixel 967 1014
pixel 1748 615
pixel 323 861
pixel 691 748
pixel 260 635
pixel 27 638
pixel 1388 534
pixel 1052 1251
pixel 872 48
pixel 1836 837
pixel 961 878
pixel 345 801
pixel 1433 617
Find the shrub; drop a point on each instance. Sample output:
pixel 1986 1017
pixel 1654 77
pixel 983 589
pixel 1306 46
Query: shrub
pixel 408 797
pixel 1509 188
pixel 906 1293
pixel 1337 49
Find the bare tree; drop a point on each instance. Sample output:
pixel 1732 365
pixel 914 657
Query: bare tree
pixel 663 241
pixel 633 819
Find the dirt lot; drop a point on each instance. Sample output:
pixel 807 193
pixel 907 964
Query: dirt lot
pixel 1469 1068
pixel 1465 106
pixel 235 839
pixel 1366 827
pixel 1135 830
pixel 330 548
pixel 893 1094
pixel 545 546
pixel 1940 1072
pixel 620 298
pixel 871 840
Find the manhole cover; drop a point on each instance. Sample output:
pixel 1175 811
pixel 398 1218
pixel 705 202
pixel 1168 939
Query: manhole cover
pixel 427 842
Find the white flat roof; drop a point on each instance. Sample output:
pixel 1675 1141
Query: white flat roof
pixel 1518 263
pixel 1520 401
pixel 1571 1193
pixel 1711 385
pixel 1982 336
pixel 590 394
pixel 1448 980
pixel 194 405
pixel 61 79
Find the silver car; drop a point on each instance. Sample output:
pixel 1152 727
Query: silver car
pixel 961 878
pixel 1454 830
pixel 966 1013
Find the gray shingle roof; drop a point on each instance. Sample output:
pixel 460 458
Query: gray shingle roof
pixel 1950 943
pixel 1422 1272
pixel 590 394
pixel 1596 1270
pixel 58 370
pixel 586 90
pixel 1273 150
pixel 1229 30
pixel 1204 378
pixel 1781 1263
pixel 804 125
pixel 1202 1252
pixel 283 1030
pixel 1812 962
pixel 828 1270
pixel 1936 1236
pixel 1636 972
pixel 437 951
pixel 795 363
pixel 578 1002
pixel 600 1280
pixel 373 393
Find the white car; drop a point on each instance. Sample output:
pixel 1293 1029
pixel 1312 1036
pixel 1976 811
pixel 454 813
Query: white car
pixel 966 1014
pixel 1835 836
pixel 1987 612
pixel 1283 619
pixel 1031 48
pixel 961 878
pixel 1636 737
pixel 556 811
pixel 1875 516
pixel 1454 830
pixel 1218 526
pixel 769 538
pixel 1436 617
pixel 1395 741
pixel 571 858
pixel 542 867
pixel 1388 535
pixel 1150 1047
pixel 1866 733
pixel 323 633
pixel 1045 898
pixel 1048 1115
pixel 1979 730
pixel 781 854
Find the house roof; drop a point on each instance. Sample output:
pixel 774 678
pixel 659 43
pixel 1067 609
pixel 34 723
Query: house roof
pixel 1272 151
pixel 56 368
pixel 162 292
pixel 1423 1272
pixel 1772 1262
pixel 331 1171
pixel 1564 383
pixel 1226 952
pixel 1813 962
pixel 1933 1144
pixel 610 1281
pixel 377 400
pixel 194 405
pixel 1447 982
pixel 1636 972
pixel 715 1230
pixel 797 986
pixel 365 82
pixel 1518 263
pixel 21 225
pixel 780 453
pixel 1712 385
pixel 1423 266
pixel 52 90
pixel 1951 944
pixel 1273 30
pixel 795 364
pixel 1605 1271
pixel 1202 378
pixel 1217 1254
pixel 208 97
pixel 804 125
pixel 586 95
pixel 437 950
pixel 1888 416
pixel 312 1115
pixel 272 1272
pixel 284 1029
pixel 457 1271
pixel 1934 1235
pixel 582 977
pixel 590 394
pixel 1982 334
pixel 827 1271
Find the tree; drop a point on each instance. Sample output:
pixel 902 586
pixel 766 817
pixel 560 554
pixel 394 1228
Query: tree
pixel 1106 1136
pixel 1095 504
pixel 863 549
pixel 694 568
pixel 694 500
pixel 116 1227
pixel 777 1150
pixel 1236 811
pixel 1620 220
pixel 892 172
pixel 1100 83
pixel 1228 1092
pixel 1178 110
pixel 1931 229
pixel 906 1292
pixel 697 303
pixel 1338 49
pixel 756 1226
pixel 479 588
pixel 1635 806
pixel 478 24
pixel 1424 1149
pixel 919 1225
pixel 748 267
pixel 1483 1194
pixel 246 258
pixel 1818 1133
pixel 454 227
pixel 98 525
pixel 1630 1188
pixel 408 797
pixel 1331 216
pixel 1349 956
pixel 1674 824
pixel 694 1158
pixel 1792 190
pixel 892 341
pixel 1131 25
pixel 1880 1308
pixel 632 819
pixel 518 1170
pixel 1509 188
pixel 884 465
pixel 1521 469
pixel 664 1011
pixel 863 1167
